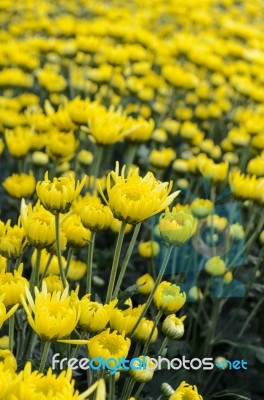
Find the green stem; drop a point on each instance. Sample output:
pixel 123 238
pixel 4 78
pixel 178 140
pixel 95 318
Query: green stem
pixel 115 261
pixel 69 258
pixel 58 249
pixel 129 389
pixel 211 328
pixel 130 155
pixel 35 272
pixel 251 315
pixel 163 345
pixel 112 387
pixel 141 386
pixel 155 324
pixel 242 302
pixel 89 269
pixel 11 332
pixel 126 259
pixel 158 280
pixel 44 356
pixel 97 161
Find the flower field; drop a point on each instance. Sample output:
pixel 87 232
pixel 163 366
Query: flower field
pixel 131 200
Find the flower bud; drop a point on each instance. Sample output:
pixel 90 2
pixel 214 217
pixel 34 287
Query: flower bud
pixel 145 283
pixel 168 298
pixel 140 374
pixel 148 249
pixel 173 327
pixel 201 208
pixel 228 277
pixel 215 266
pixel 177 227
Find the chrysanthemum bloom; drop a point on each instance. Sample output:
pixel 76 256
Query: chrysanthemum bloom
pixel 20 185
pixel 201 208
pixel 168 298
pixel 8 381
pixel 215 266
pixel 13 241
pixel 61 146
pixel 145 283
pixel 54 283
pixel 76 270
pixel 109 345
pixel 3 314
pixel 173 327
pixel 162 158
pixel 57 195
pixel 18 141
pixel 186 392
pixel 93 316
pixel 177 227
pixel 76 234
pixel 8 360
pixel 85 157
pixel 125 320
pixel 35 384
pixel 39 226
pixel 13 286
pixel 133 199
pixel 52 316
pixel 141 129
pixel 96 217
pixel 46 258
pixel 148 249
pixel 144 331
pixel 210 170
pixel 140 374
pixel 245 187
pixel 107 127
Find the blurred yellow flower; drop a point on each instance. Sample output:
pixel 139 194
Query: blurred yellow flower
pixel 20 185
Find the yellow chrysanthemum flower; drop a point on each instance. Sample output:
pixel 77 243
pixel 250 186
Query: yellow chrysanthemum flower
pixel 133 199
pixel 177 227
pixel 12 284
pixel 76 270
pixel 96 217
pixel 76 234
pixel 52 316
pixel 39 226
pixel 148 249
pixel 8 360
pixel 186 392
pixel 3 314
pixel 13 241
pixel 57 195
pixel 93 316
pixel 37 385
pixel 109 345
pixel 141 374
pixel 20 185
pixel 168 297
pixel 145 283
